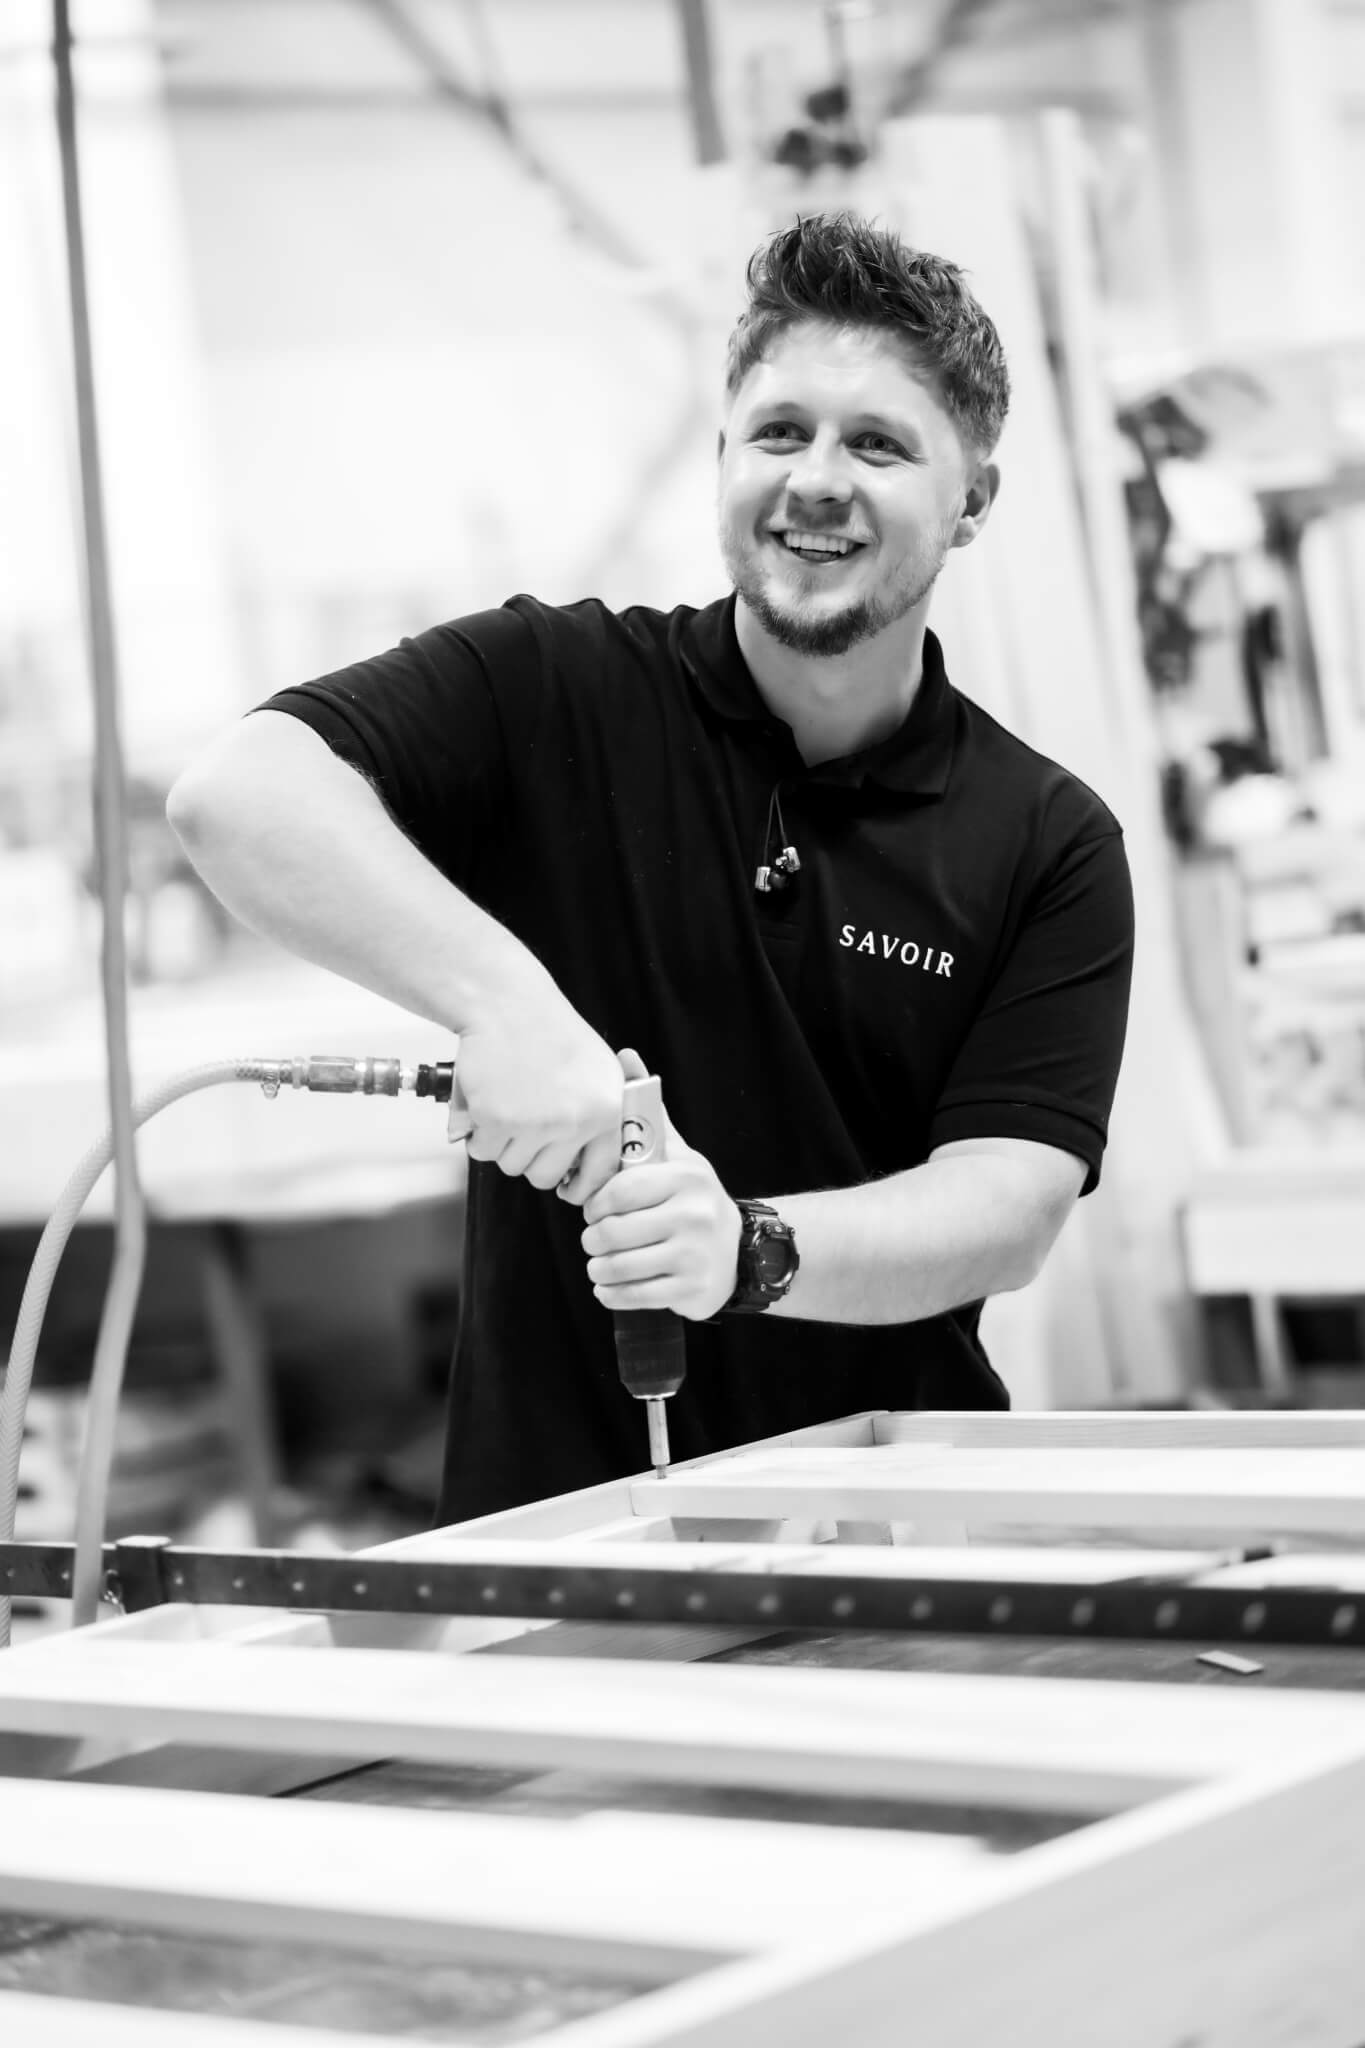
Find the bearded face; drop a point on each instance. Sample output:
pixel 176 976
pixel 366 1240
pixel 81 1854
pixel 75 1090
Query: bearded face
pixel 841 490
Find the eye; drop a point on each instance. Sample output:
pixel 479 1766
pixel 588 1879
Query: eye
pixel 881 444
pixel 775 430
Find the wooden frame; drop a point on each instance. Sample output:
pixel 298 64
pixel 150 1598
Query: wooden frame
pixel 1197 1856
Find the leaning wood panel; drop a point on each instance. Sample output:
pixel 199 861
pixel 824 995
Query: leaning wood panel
pixel 1073 1745
pixel 1299 1490
pixel 504 1889
pixel 1246 1235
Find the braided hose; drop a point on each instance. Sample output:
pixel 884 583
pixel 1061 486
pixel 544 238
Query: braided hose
pixel 110 1352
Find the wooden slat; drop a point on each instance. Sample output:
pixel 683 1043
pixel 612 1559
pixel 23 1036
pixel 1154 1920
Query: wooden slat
pixel 1335 1570
pixel 1227 1916
pixel 974 1561
pixel 1097 1565
pixel 1170 1429
pixel 134 1760
pixel 1089 1747
pixel 1232 1490
pixel 570 1514
pixel 29 2022
pixel 459 1885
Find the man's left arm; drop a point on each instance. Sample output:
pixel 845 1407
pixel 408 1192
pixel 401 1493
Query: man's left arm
pixel 977 1218
pixel 1016 1137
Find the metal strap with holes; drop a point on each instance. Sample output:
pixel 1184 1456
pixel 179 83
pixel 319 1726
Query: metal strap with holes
pixel 149 1571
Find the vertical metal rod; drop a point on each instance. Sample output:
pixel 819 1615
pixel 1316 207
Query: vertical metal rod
pixel 707 136
pixel 837 40
pixel 111 845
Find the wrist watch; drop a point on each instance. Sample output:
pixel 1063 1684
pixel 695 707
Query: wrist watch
pixel 768 1259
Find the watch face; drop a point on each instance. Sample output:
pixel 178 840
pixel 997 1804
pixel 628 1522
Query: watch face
pixel 771 1258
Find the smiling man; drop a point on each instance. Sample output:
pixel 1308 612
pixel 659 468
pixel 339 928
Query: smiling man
pixel 876 947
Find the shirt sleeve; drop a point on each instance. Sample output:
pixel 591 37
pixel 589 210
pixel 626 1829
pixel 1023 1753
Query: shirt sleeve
pixel 1041 1060
pixel 426 723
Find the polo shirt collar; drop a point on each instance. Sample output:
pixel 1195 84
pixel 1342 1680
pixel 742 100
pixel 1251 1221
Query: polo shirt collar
pixel 914 760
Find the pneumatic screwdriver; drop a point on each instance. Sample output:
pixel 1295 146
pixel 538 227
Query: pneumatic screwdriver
pixel 651 1352
pixel 650 1347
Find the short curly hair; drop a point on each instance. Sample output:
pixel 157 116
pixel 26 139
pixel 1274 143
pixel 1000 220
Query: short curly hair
pixel 841 268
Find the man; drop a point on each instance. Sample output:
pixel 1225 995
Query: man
pixel 877 949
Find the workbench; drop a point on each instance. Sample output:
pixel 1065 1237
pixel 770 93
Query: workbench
pixel 952 1728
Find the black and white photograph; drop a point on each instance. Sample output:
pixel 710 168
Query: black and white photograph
pixel 749 615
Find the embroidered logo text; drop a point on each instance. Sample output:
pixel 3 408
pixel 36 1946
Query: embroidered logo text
pixel 891 946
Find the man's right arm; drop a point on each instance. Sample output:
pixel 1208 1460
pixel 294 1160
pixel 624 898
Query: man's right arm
pixel 295 843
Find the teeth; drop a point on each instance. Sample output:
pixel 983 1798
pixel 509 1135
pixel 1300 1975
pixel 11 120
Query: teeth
pixel 819 543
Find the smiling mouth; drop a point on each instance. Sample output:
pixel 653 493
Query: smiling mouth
pixel 818 548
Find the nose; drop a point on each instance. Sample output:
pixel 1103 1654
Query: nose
pixel 818 473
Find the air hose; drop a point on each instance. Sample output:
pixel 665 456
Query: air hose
pixel 322 1074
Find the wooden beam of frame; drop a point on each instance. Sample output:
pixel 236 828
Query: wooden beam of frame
pixel 1088 1746
pixel 1043 1562
pixel 1130 1429
pixel 647 1896
pixel 1226 1915
pixel 568 1514
pixel 1315 1490
pixel 88 2023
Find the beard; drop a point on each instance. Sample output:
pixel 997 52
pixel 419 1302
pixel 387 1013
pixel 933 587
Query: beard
pixel 826 634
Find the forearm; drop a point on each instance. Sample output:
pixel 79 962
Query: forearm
pixel 914 1245
pixel 299 847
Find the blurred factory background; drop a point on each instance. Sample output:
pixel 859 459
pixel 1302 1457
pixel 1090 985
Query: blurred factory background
pixel 401 306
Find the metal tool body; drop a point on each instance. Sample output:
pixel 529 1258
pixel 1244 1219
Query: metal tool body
pixel 650 1346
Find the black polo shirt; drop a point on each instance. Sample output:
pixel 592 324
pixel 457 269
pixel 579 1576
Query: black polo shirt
pixel 952 961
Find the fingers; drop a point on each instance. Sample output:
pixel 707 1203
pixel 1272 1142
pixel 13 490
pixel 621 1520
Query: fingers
pixel 644 1187
pixel 575 1176
pixel 628 1269
pixel 598 1163
pixel 628 1233
pixel 552 1167
pixel 518 1155
pixel 601 1162
pixel 575 1172
pixel 486 1142
pixel 523 1156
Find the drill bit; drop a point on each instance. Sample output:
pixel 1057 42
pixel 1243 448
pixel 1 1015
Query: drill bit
pixel 658 1434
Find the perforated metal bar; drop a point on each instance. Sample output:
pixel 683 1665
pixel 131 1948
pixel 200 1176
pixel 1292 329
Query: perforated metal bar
pixel 1155 1609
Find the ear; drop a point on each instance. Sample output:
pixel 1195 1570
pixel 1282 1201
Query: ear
pixel 983 485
